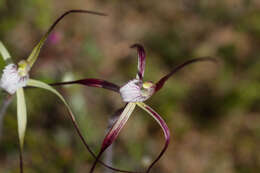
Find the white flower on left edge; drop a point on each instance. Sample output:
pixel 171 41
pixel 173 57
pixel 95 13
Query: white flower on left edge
pixel 14 78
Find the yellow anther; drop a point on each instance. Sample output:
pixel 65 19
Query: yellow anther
pixel 23 68
pixel 147 85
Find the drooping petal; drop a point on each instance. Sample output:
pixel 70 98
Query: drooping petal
pixel 36 50
pixel 119 124
pixel 109 154
pixel 163 125
pixel 22 121
pixel 161 82
pixel 39 84
pixel 114 131
pixel 141 60
pixel 21 115
pixel 5 54
pixel 99 83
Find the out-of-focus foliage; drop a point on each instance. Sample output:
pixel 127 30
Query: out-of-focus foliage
pixel 213 111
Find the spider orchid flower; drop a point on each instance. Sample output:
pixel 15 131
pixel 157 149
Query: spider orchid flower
pixel 16 77
pixel 134 93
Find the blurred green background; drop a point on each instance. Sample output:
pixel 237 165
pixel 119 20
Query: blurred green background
pixel 213 111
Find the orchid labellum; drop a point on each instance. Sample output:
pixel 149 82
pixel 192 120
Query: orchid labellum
pixel 16 77
pixel 134 93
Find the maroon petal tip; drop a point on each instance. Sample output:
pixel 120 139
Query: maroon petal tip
pixel 141 60
pixel 73 11
pixel 137 45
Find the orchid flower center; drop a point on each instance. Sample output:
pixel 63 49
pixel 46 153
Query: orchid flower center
pixel 137 91
pixel 14 78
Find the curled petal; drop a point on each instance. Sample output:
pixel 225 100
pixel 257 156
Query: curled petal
pixel 36 50
pixel 114 131
pixel 141 60
pixel 163 125
pixel 92 83
pixel 161 82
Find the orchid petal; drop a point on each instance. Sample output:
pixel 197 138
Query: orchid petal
pixel 119 124
pixel 163 125
pixel 161 82
pixel 114 131
pixel 4 52
pixel 39 84
pixel 141 60
pixel 36 50
pixel 92 83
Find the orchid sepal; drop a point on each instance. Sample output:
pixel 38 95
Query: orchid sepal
pixel 91 82
pixel 114 131
pixel 162 81
pixel 21 116
pixel 119 124
pixel 141 60
pixel 164 127
pixel 36 50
